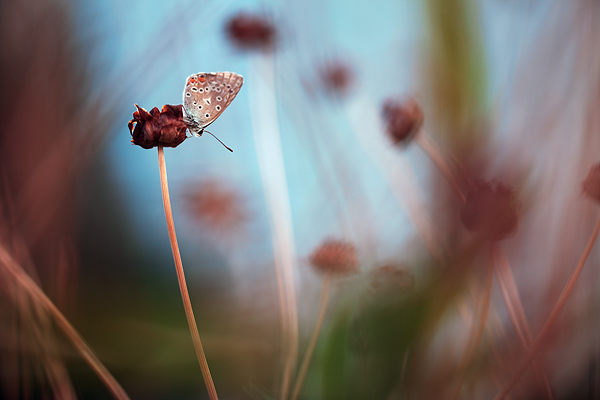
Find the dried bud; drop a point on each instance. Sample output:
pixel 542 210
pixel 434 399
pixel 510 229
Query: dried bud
pixel 591 185
pixel 250 32
pixel 335 257
pixel 490 210
pixel 165 128
pixel 336 77
pixel 403 119
pixel 389 277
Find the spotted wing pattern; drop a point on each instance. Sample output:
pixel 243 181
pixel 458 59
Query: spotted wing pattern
pixel 206 96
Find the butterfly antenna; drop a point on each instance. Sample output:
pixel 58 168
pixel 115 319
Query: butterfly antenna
pixel 220 141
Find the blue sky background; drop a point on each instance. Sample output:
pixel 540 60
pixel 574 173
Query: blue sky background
pixel 380 42
pixel 145 50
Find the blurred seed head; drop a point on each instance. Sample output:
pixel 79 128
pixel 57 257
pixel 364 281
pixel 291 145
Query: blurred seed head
pixel 216 205
pixel 150 129
pixel 391 277
pixel 490 210
pixel 591 185
pixel 403 119
pixel 334 256
pixel 251 31
pixel 337 77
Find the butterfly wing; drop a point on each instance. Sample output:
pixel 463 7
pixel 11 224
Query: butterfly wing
pixel 206 96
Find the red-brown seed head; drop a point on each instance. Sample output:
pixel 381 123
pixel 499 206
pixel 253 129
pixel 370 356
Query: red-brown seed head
pixel 216 205
pixel 403 119
pixel 490 210
pixel 591 185
pixel 391 277
pixel 336 257
pixel 337 77
pixel 250 32
pixel 165 127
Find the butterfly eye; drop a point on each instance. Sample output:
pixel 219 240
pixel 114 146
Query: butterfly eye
pixel 218 89
pixel 219 98
pixel 200 90
pixel 218 108
pixel 206 89
pixel 207 115
pixel 188 94
pixel 199 107
pixel 194 89
pixel 194 102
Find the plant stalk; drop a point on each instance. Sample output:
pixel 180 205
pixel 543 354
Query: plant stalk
pixel 558 307
pixel 82 347
pixel 187 305
pixel 324 299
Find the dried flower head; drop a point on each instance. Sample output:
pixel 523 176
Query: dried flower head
pixel 335 257
pixel 403 119
pixel 154 128
pixel 490 210
pixel 216 205
pixel 390 277
pixel 591 185
pixel 250 32
pixel 336 77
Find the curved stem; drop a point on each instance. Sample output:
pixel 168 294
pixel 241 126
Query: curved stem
pixel 82 347
pixel 313 341
pixel 187 305
pixel 558 307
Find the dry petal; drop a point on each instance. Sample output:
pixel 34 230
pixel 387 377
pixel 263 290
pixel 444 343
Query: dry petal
pixel 150 129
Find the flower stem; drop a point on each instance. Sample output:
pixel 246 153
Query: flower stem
pixel 558 307
pixel 435 154
pixel 510 293
pixel 325 290
pixel 267 139
pixel 82 347
pixel 187 305
pixel 476 331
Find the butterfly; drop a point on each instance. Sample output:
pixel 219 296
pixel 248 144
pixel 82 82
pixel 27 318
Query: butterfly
pixel 206 96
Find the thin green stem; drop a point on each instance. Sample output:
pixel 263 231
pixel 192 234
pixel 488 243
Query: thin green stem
pixel 558 307
pixel 187 304
pixel 324 299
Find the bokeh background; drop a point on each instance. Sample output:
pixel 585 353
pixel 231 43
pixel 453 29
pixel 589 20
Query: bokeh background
pixel 510 91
